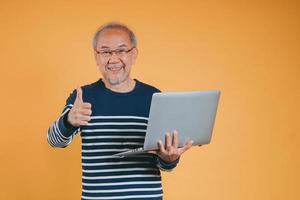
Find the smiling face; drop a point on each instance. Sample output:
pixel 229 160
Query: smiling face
pixel 113 60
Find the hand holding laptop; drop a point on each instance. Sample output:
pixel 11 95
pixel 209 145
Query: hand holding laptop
pixel 169 152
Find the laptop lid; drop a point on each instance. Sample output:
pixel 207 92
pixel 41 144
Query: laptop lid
pixel 192 114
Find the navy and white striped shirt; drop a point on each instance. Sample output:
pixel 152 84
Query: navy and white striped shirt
pixel 118 123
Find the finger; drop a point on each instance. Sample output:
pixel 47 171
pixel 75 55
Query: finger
pixel 175 139
pixel 82 123
pixel 78 95
pixel 188 145
pixel 168 142
pixel 161 147
pixel 85 118
pixel 86 105
pixel 85 112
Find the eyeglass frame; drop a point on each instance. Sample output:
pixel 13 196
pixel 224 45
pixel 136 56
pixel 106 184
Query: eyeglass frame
pixel 114 51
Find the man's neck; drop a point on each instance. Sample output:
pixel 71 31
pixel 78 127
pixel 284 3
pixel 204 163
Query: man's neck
pixel 123 87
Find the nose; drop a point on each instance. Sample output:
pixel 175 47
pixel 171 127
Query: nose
pixel 114 58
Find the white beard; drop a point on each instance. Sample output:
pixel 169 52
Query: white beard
pixel 117 80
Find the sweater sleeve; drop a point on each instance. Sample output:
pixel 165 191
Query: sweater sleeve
pixel 164 166
pixel 60 134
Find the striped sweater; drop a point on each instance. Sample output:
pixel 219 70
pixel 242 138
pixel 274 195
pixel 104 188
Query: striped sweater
pixel 118 123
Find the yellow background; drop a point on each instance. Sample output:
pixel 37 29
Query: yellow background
pixel 247 49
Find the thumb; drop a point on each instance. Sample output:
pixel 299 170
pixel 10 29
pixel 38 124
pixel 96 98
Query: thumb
pixel 152 152
pixel 78 95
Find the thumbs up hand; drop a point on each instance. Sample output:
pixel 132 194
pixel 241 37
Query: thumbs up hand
pixel 80 114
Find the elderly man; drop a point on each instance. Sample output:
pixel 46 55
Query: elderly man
pixel 112 115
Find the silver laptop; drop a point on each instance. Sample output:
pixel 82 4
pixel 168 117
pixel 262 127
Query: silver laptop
pixel 192 114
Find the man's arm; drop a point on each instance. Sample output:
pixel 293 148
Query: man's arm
pixel 60 134
pixel 75 114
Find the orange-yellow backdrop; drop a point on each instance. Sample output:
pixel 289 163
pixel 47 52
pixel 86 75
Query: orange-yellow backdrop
pixel 247 49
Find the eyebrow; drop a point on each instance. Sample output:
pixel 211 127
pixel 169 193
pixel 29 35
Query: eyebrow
pixel 123 45
pixel 106 47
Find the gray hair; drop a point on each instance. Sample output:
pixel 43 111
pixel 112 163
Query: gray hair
pixel 115 25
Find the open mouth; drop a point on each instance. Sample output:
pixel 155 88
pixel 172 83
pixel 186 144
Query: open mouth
pixel 115 68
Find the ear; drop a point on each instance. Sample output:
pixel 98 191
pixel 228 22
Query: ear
pixel 134 55
pixel 96 56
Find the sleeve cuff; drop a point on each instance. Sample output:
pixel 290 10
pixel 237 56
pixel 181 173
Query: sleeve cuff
pixel 166 166
pixel 65 127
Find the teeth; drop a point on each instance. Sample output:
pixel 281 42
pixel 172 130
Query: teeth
pixel 114 68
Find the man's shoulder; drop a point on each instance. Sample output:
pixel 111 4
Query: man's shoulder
pixel 88 90
pixel 148 87
pixel 90 85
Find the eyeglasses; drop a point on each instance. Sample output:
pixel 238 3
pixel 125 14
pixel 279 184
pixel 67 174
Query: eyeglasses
pixel 118 52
